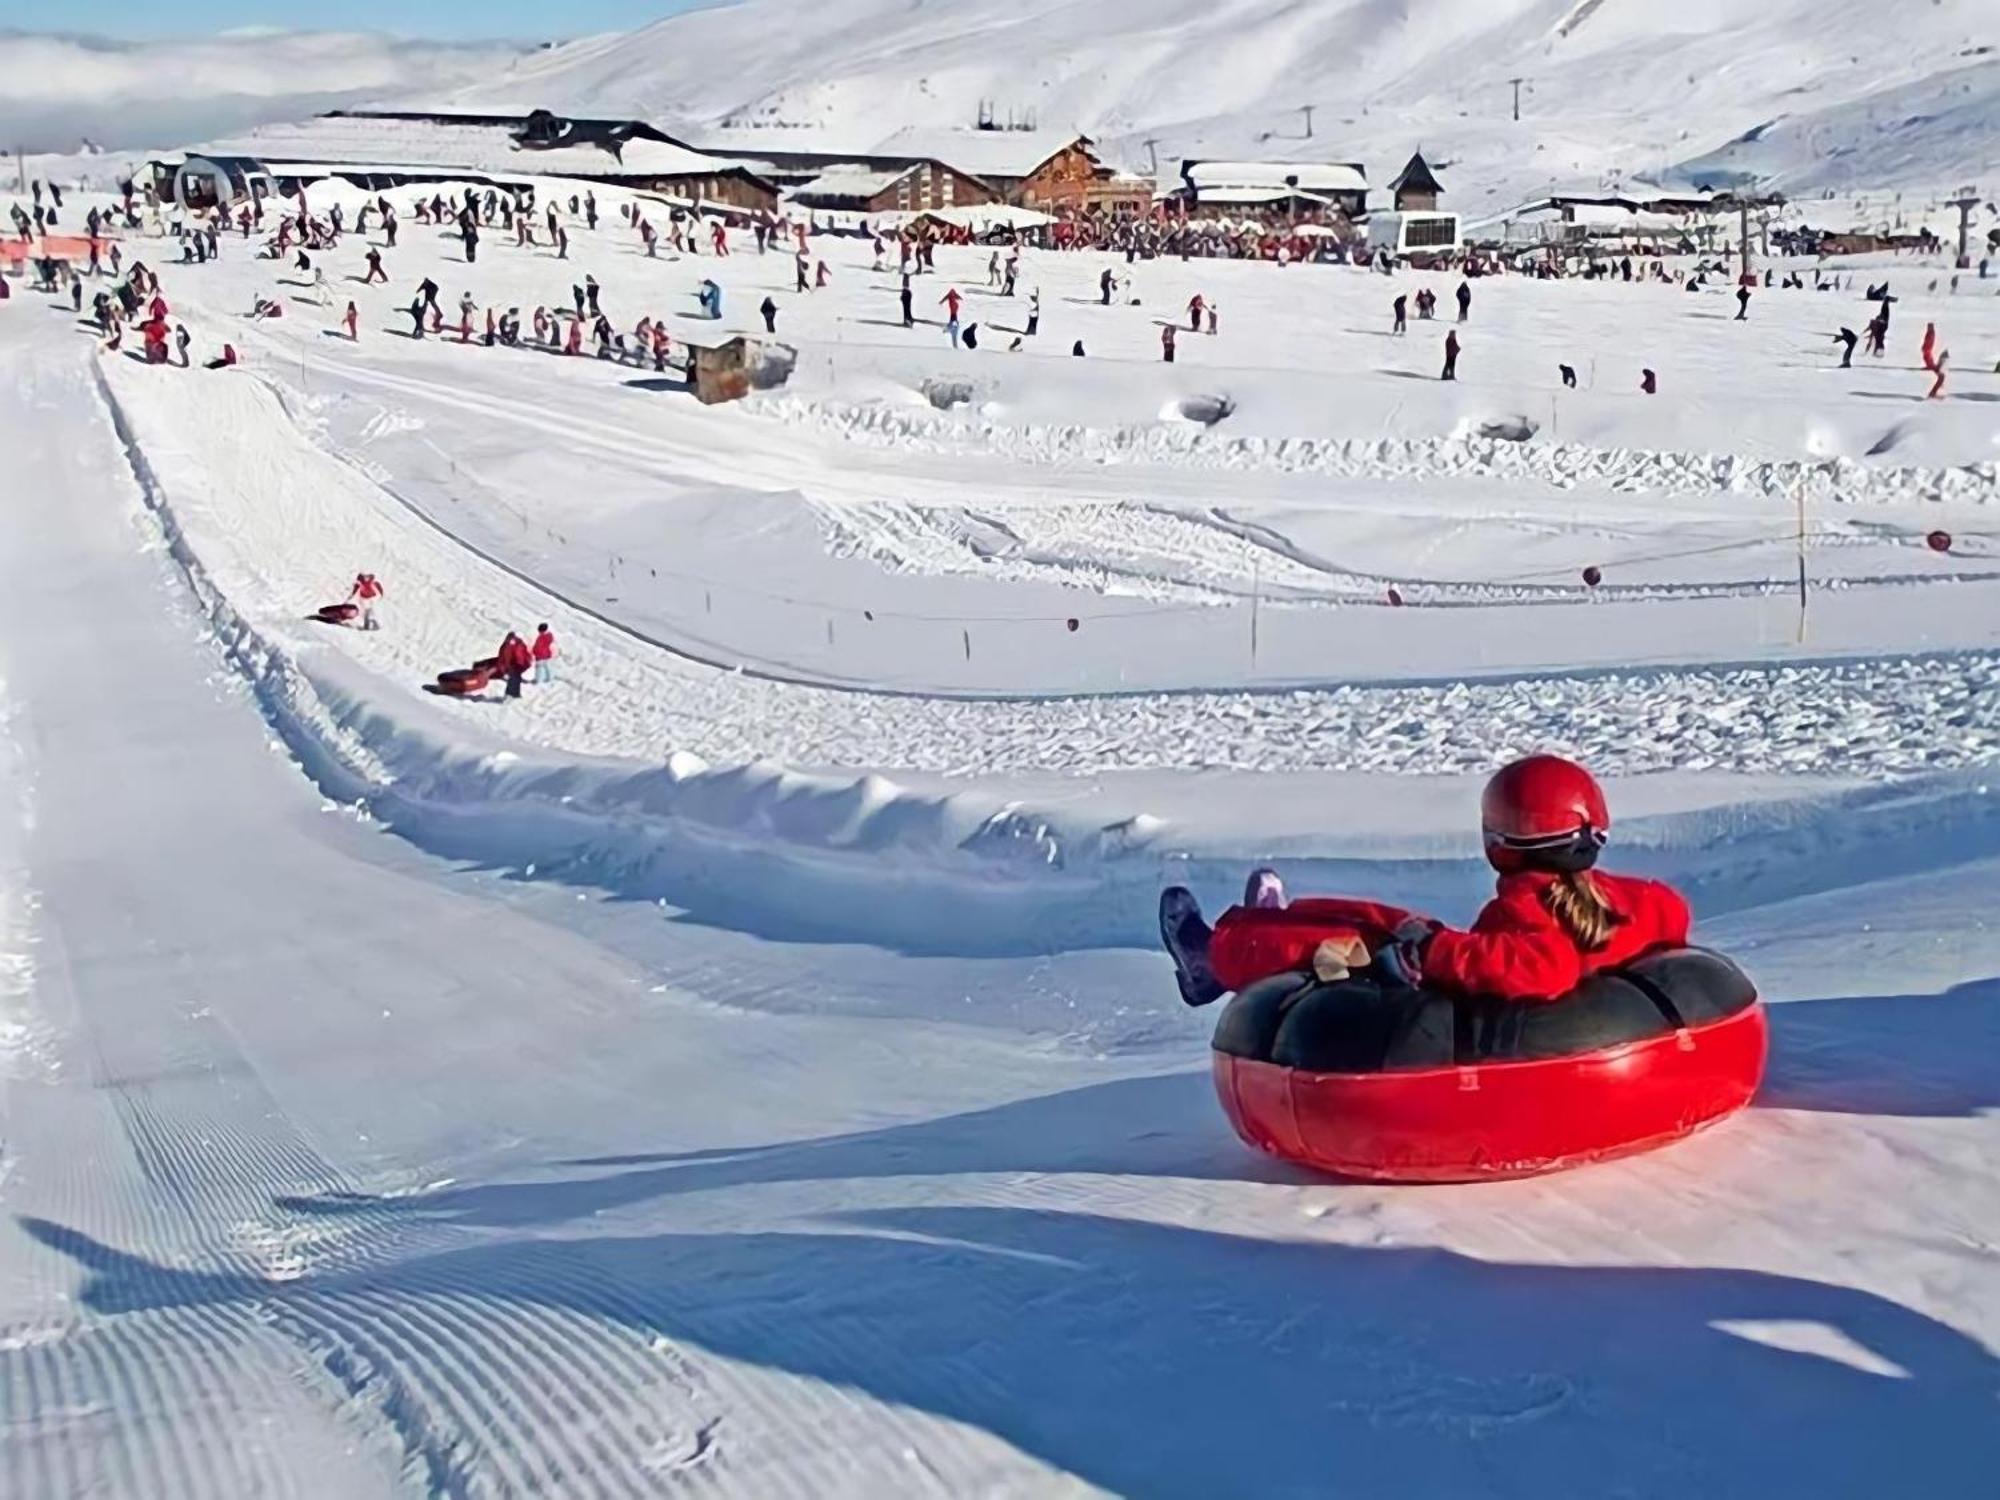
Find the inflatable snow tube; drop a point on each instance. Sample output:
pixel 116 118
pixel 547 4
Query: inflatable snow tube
pixel 337 614
pixel 1415 1086
pixel 462 682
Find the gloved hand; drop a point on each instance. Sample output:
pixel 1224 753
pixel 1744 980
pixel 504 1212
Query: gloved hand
pixel 1400 961
pixel 1400 965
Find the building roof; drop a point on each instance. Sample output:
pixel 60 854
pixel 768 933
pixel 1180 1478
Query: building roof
pixel 852 181
pixel 385 145
pixel 1416 177
pixel 979 153
pixel 1253 196
pixel 1311 176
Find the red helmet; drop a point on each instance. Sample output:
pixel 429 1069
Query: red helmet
pixel 1543 812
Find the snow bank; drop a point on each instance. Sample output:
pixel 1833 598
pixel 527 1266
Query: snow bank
pixel 1500 448
pixel 826 856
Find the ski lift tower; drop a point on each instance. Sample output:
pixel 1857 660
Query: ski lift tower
pixel 1743 204
pixel 1966 201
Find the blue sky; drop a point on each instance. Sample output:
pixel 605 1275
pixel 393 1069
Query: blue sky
pixel 528 20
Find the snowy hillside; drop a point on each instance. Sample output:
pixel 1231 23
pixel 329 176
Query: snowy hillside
pixel 1807 92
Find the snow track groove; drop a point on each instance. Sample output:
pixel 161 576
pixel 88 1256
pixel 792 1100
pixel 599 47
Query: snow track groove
pixel 197 1326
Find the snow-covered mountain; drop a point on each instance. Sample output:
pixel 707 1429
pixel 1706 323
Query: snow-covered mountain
pixel 1811 94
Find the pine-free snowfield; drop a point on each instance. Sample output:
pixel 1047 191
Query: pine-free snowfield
pixel 364 1134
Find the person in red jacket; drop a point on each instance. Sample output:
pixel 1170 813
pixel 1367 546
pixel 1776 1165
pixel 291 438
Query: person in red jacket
pixel 544 653
pixel 1553 920
pixel 367 596
pixel 514 661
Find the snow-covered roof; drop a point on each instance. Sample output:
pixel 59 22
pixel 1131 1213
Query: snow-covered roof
pixel 391 145
pixel 981 153
pixel 1313 176
pixel 978 216
pixel 1251 196
pixel 852 182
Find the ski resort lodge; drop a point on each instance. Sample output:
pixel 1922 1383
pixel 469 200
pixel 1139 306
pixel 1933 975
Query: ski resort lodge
pixel 918 188
pixel 915 169
pixel 1305 192
pixel 379 149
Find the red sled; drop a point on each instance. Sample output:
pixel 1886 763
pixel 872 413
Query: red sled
pixel 1388 1084
pixel 462 682
pixel 337 614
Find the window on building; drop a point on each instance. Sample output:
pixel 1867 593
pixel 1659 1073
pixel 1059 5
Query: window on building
pixel 1430 234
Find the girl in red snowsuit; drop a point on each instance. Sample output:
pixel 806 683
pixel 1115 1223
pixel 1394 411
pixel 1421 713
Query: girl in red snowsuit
pixel 1552 921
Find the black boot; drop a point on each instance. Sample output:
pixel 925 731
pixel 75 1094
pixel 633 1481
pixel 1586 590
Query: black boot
pixel 1186 937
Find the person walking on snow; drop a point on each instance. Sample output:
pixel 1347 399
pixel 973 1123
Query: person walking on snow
pixel 1742 304
pixel 1847 340
pixel 349 322
pixel 770 312
pixel 367 593
pixel 1450 355
pixel 1168 333
pixel 907 298
pixel 1929 352
pixel 1402 311
pixel 375 271
pixel 1464 301
pixel 1034 312
pixel 1878 334
pixel 544 654
pixel 1942 358
pixel 514 660
pixel 1196 306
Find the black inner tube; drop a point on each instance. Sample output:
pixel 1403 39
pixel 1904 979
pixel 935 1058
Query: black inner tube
pixel 1358 1026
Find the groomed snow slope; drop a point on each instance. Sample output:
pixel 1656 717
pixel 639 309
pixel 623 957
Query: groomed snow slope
pixel 1842 94
pixel 339 1171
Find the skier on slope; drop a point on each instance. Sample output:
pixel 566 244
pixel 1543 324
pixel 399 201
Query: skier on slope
pixel 1553 920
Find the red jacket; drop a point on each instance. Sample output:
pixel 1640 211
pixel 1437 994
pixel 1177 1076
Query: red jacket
pixel 1518 950
pixel 513 656
pixel 545 646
